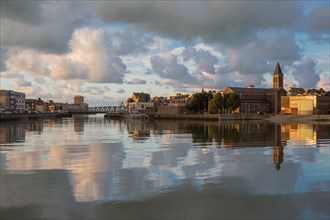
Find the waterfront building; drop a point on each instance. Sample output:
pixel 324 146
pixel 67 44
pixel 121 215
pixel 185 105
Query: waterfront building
pixel 315 91
pixel 160 101
pixel 179 100
pixel 40 105
pixel 254 100
pixel 30 104
pixel 36 104
pixel 296 91
pixel 12 100
pixel 141 97
pixel 140 102
pixel 305 105
pixel 78 102
pixel 175 104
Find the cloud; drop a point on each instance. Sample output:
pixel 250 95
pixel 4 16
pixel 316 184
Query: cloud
pixel 41 25
pixel 259 56
pixel 305 73
pixel 47 26
pixel 22 83
pixel 230 22
pixel 318 24
pixel 180 44
pixel 28 90
pixel 167 67
pixel 131 42
pixel 158 83
pixel 3 57
pixel 96 90
pixel 40 79
pixel 220 67
pixel 24 12
pixel 221 81
pixel 319 19
pixel 64 68
pixel 25 61
pixel 205 61
pixel 121 90
pixel 137 81
pixel 94 49
pixel 324 81
pixel 90 58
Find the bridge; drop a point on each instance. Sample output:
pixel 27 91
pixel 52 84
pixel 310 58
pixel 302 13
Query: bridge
pixel 104 109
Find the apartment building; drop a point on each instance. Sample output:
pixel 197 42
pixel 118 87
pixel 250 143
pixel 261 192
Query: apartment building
pixel 78 101
pixel 12 100
pixel 305 105
pixel 140 102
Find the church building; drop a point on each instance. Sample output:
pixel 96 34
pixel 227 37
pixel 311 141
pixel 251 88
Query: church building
pixel 266 100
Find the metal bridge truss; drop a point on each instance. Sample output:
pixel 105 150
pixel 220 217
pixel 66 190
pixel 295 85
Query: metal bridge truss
pixel 104 109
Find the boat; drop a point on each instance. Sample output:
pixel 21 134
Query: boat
pixel 136 115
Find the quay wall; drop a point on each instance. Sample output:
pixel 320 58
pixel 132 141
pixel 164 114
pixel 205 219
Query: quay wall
pixel 220 117
pixel 114 116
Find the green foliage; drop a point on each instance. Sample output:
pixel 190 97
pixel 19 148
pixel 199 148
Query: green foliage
pixel 215 104
pixel 231 101
pixel 199 101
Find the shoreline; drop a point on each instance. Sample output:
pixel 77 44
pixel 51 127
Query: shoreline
pixel 28 116
pixel 273 118
pixel 310 119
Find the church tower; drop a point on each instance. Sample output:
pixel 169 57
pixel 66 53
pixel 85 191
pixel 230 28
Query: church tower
pixel 278 77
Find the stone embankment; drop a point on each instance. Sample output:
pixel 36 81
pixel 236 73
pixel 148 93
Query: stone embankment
pixel 314 119
pixel 213 117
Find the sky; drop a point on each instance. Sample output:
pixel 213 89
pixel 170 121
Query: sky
pixel 106 50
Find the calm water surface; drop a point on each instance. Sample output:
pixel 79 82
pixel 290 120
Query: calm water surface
pixel 88 167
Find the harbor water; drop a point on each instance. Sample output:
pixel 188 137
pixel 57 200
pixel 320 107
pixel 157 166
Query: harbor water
pixel 91 167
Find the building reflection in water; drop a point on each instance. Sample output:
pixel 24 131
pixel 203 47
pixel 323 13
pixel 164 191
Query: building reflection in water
pixel 233 135
pixel 14 132
pixel 139 130
pixel 278 155
pixel 305 134
pixel 78 123
pixel 11 133
pixel 100 170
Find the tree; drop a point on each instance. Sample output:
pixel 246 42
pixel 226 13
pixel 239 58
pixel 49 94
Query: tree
pixel 231 101
pixel 199 101
pixel 215 103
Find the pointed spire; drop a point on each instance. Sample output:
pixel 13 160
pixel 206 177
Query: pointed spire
pixel 278 69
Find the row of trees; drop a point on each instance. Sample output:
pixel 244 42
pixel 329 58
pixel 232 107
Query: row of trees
pixel 207 102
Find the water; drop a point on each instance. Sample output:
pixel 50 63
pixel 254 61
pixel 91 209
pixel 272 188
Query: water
pixel 88 167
